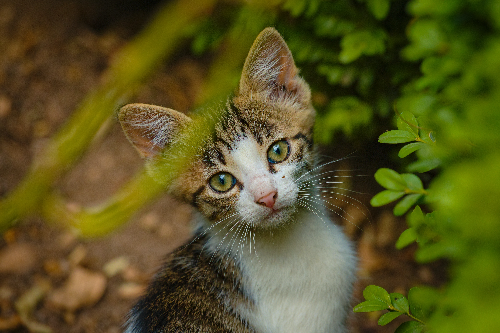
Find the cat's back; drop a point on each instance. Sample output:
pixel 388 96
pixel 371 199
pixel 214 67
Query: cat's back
pixel 195 291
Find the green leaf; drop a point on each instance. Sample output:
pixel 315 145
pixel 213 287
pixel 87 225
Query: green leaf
pixel 412 181
pixel 424 165
pixel 405 204
pixel 415 308
pixel 406 238
pixel 390 179
pixel 416 218
pixel 369 306
pixel 385 197
pixel 400 302
pixel 359 42
pixel 441 249
pixel 379 8
pixel 386 318
pixel 396 136
pixel 410 327
pixel 376 293
pixel 410 148
pixel 407 122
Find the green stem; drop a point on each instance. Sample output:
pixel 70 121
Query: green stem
pixel 134 63
pixel 415 318
pixel 97 221
pixel 422 191
pixel 392 308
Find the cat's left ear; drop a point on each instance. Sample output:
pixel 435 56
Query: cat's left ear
pixel 151 128
pixel 270 69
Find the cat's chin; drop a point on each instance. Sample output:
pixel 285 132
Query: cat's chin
pixel 277 218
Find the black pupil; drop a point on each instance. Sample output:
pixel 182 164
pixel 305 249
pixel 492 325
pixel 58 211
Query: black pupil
pixel 222 179
pixel 277 149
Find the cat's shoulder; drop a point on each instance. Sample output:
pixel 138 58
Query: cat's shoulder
pixel 188 293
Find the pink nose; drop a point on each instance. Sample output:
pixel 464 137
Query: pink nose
pixel 268 200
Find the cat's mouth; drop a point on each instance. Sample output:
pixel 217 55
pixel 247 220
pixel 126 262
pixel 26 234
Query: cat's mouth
pixel 277 216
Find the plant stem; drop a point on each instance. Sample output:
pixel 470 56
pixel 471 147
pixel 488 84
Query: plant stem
pixel 141 189
pixel 134 63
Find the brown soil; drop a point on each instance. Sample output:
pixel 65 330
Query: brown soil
pixel 52 54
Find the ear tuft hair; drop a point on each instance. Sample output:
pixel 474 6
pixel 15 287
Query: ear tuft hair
pixel 150 128
pixel 270 69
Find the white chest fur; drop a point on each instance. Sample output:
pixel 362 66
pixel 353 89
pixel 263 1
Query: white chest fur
pixel 300 280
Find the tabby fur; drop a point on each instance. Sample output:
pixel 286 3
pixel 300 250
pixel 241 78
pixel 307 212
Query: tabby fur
pixel 265 256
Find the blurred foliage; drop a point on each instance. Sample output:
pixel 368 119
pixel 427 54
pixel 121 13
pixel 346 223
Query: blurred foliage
pixel 128 70
pixel 343 49
pixel 436 63
pixel 450 118
pixel 378 299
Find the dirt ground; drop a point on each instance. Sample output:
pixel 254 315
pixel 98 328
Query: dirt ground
pixel 52 53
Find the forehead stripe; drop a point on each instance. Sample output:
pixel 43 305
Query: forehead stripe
pixel 194 200
pixel 302 136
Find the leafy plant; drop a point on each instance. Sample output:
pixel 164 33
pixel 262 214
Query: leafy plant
pixel 457 95
pixel 378 299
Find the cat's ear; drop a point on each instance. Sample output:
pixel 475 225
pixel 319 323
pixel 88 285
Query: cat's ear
pixel 150 128
pixel 270 69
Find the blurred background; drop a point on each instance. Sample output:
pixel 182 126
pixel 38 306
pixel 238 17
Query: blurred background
pixel 83 226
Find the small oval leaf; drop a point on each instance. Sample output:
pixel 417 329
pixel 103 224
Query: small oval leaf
pixel 376 293
pixel 410 148
pixel 396 136
pixel 412 181
pixel 379 8
pixel 416 217
pixel 385 197
pixel 424 165
pixel 422 301
pixel 406 238
pixel 405 204
pixel 400 302
pixel 369 306
pixel 390 179
pixel 386 318
pixel 407 122
pixel 415 308
pixel 410 327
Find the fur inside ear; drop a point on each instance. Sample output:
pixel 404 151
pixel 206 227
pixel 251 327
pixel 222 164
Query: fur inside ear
pixel 270 69
pixel 150 128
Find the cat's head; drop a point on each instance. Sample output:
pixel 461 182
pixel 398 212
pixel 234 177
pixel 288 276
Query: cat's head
pixel 249 168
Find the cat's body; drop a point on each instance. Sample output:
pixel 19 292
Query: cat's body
pixel 266 257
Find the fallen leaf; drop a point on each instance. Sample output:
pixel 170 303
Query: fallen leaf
pixel 77 255
pixel 82 288
pixel 115 266
pixel 17 258
pixel 131 290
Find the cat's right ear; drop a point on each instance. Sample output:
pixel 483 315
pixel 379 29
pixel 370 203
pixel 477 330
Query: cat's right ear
pixel 270 69
pixel 150 128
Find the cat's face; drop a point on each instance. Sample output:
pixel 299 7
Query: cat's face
pixel 249 169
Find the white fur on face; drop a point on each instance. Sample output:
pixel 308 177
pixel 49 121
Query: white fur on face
pixel 253 172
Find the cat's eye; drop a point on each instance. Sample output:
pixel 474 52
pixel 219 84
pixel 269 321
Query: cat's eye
pixel 222 182
pixel 278 151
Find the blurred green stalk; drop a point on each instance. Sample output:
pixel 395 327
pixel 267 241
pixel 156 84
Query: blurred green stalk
pixel 133 64
pixel 142 188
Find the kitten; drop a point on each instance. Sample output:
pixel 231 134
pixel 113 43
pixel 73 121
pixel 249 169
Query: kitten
pixel 265 258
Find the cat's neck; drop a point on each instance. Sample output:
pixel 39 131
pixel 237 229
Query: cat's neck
pixel 242 242
pixel 299 272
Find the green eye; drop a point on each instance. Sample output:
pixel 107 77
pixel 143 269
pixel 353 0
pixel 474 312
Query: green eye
pixel 222 182
pixel 278 151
